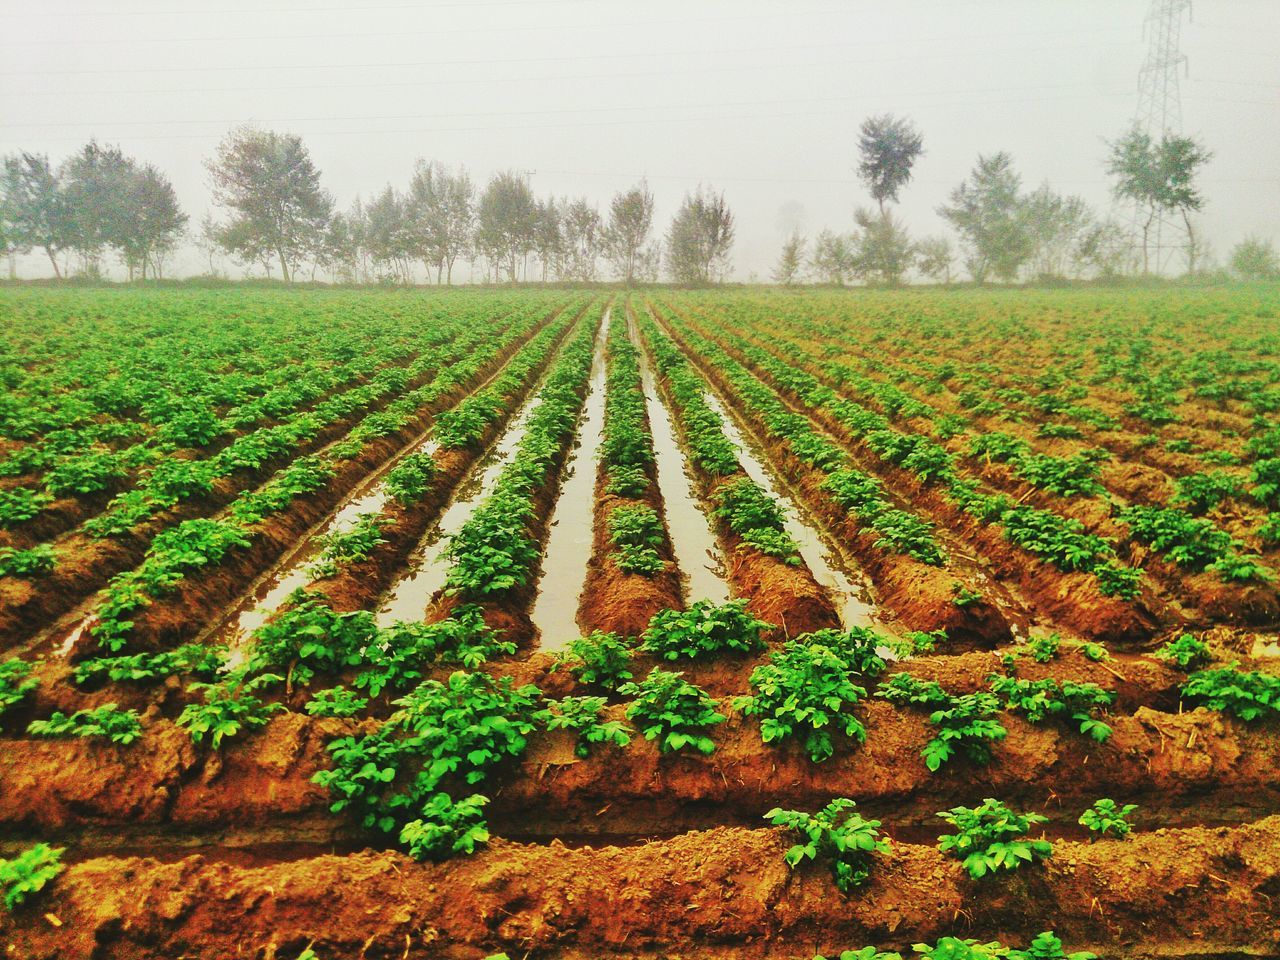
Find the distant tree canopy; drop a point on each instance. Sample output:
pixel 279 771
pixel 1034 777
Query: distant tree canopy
pixel 888 147
pixel 700 238
pixel 271 188
pixel 627 234
pixel 98 200
pixel 1159 176
pixel 506 222
pixel 988 214
pixel 790 260
pixel 1255 259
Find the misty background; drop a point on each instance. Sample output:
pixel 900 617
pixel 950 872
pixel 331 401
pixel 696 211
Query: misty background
pixel 759 99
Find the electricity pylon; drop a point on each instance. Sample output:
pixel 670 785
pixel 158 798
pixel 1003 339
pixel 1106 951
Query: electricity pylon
pixel 1160 115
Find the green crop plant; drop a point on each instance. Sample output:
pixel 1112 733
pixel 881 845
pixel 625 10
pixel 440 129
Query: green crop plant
pixel 1106 818
pixel 410 479
pixel 582 717
pixel 1201 492
pixel 109 721
pixel 446 827
pixel 805 691
pixel 965 724
pixel 1246 695
pixel 755 517
pixel 1039 700
pixel 1045 946
pixel 29 872
pixel 20 504
pixel 15 683
pixel 836 833
pixel 1044 648
pixel 442 732
pixel 191 659
pixel 355 545
pixel 672 711
pixel 31 563
pixel 397 657
pixel 336 702
pixel 1066 477
pixel 704 630
pixel 991 837
pixel 599 658
pixel 636 530
pixel 229 707
pixel 1187 653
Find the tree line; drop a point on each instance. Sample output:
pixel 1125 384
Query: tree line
pixel 1007 233
pixel 274 215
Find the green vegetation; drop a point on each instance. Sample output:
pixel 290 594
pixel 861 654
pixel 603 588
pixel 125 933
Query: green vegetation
pixel 29 872
pixel 109 721
pixel 704 630
pixel 671 710
pixel 991 837
pixel 1106 818
pixel 835 833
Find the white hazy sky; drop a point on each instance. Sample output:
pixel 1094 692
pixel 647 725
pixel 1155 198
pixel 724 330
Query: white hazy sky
pixel 761 98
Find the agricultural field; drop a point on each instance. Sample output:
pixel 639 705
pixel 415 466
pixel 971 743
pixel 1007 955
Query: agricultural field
pixel 663 623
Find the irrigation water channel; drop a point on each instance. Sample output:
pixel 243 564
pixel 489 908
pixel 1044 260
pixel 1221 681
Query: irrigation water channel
pixel 568 548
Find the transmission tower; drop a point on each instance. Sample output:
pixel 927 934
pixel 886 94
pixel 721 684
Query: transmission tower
pixel 1160 115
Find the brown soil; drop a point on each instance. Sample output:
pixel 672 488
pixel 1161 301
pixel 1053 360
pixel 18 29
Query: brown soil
pixel 1201 892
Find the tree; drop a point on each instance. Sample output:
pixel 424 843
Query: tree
pixel 1105 248
pixel 883 249
pixel 790 260
pixel 549 240
pixel 506 222
pixel 630 220
pixel 341 248
pixel 1160 178
pixel 1055 226
pixel 933 258
pixel 889 147
pixel 388 235
pixel 1255 259
pixel 272 189
pixel 207 240
pixel 988 213
pixel 96 184
pixel 36 209
pixel 699 238
pixel 150 222
pixel 441 207
pixel 832 260
pixel 583 240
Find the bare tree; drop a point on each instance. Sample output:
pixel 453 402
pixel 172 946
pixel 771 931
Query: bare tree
pixel 271 187
pixel 630 220
pixel 889 147
pixel 787 270
pixel 699 238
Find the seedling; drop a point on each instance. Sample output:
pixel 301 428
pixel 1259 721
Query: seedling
pixel 29 872
pixel 582 716
pixel 1186 653
pixel 599 658
pixel 119 726
pixel 1107 818
pixel 836 833
pixel 704 629
pixel 672 711
pixel 991 837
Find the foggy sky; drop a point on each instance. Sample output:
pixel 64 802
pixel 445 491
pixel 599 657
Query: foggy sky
pixel 760 99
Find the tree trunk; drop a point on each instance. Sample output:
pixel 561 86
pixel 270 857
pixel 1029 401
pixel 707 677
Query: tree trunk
pixel 1146 230
pixel 1191 243
pixel 284 266
pixel 54 260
